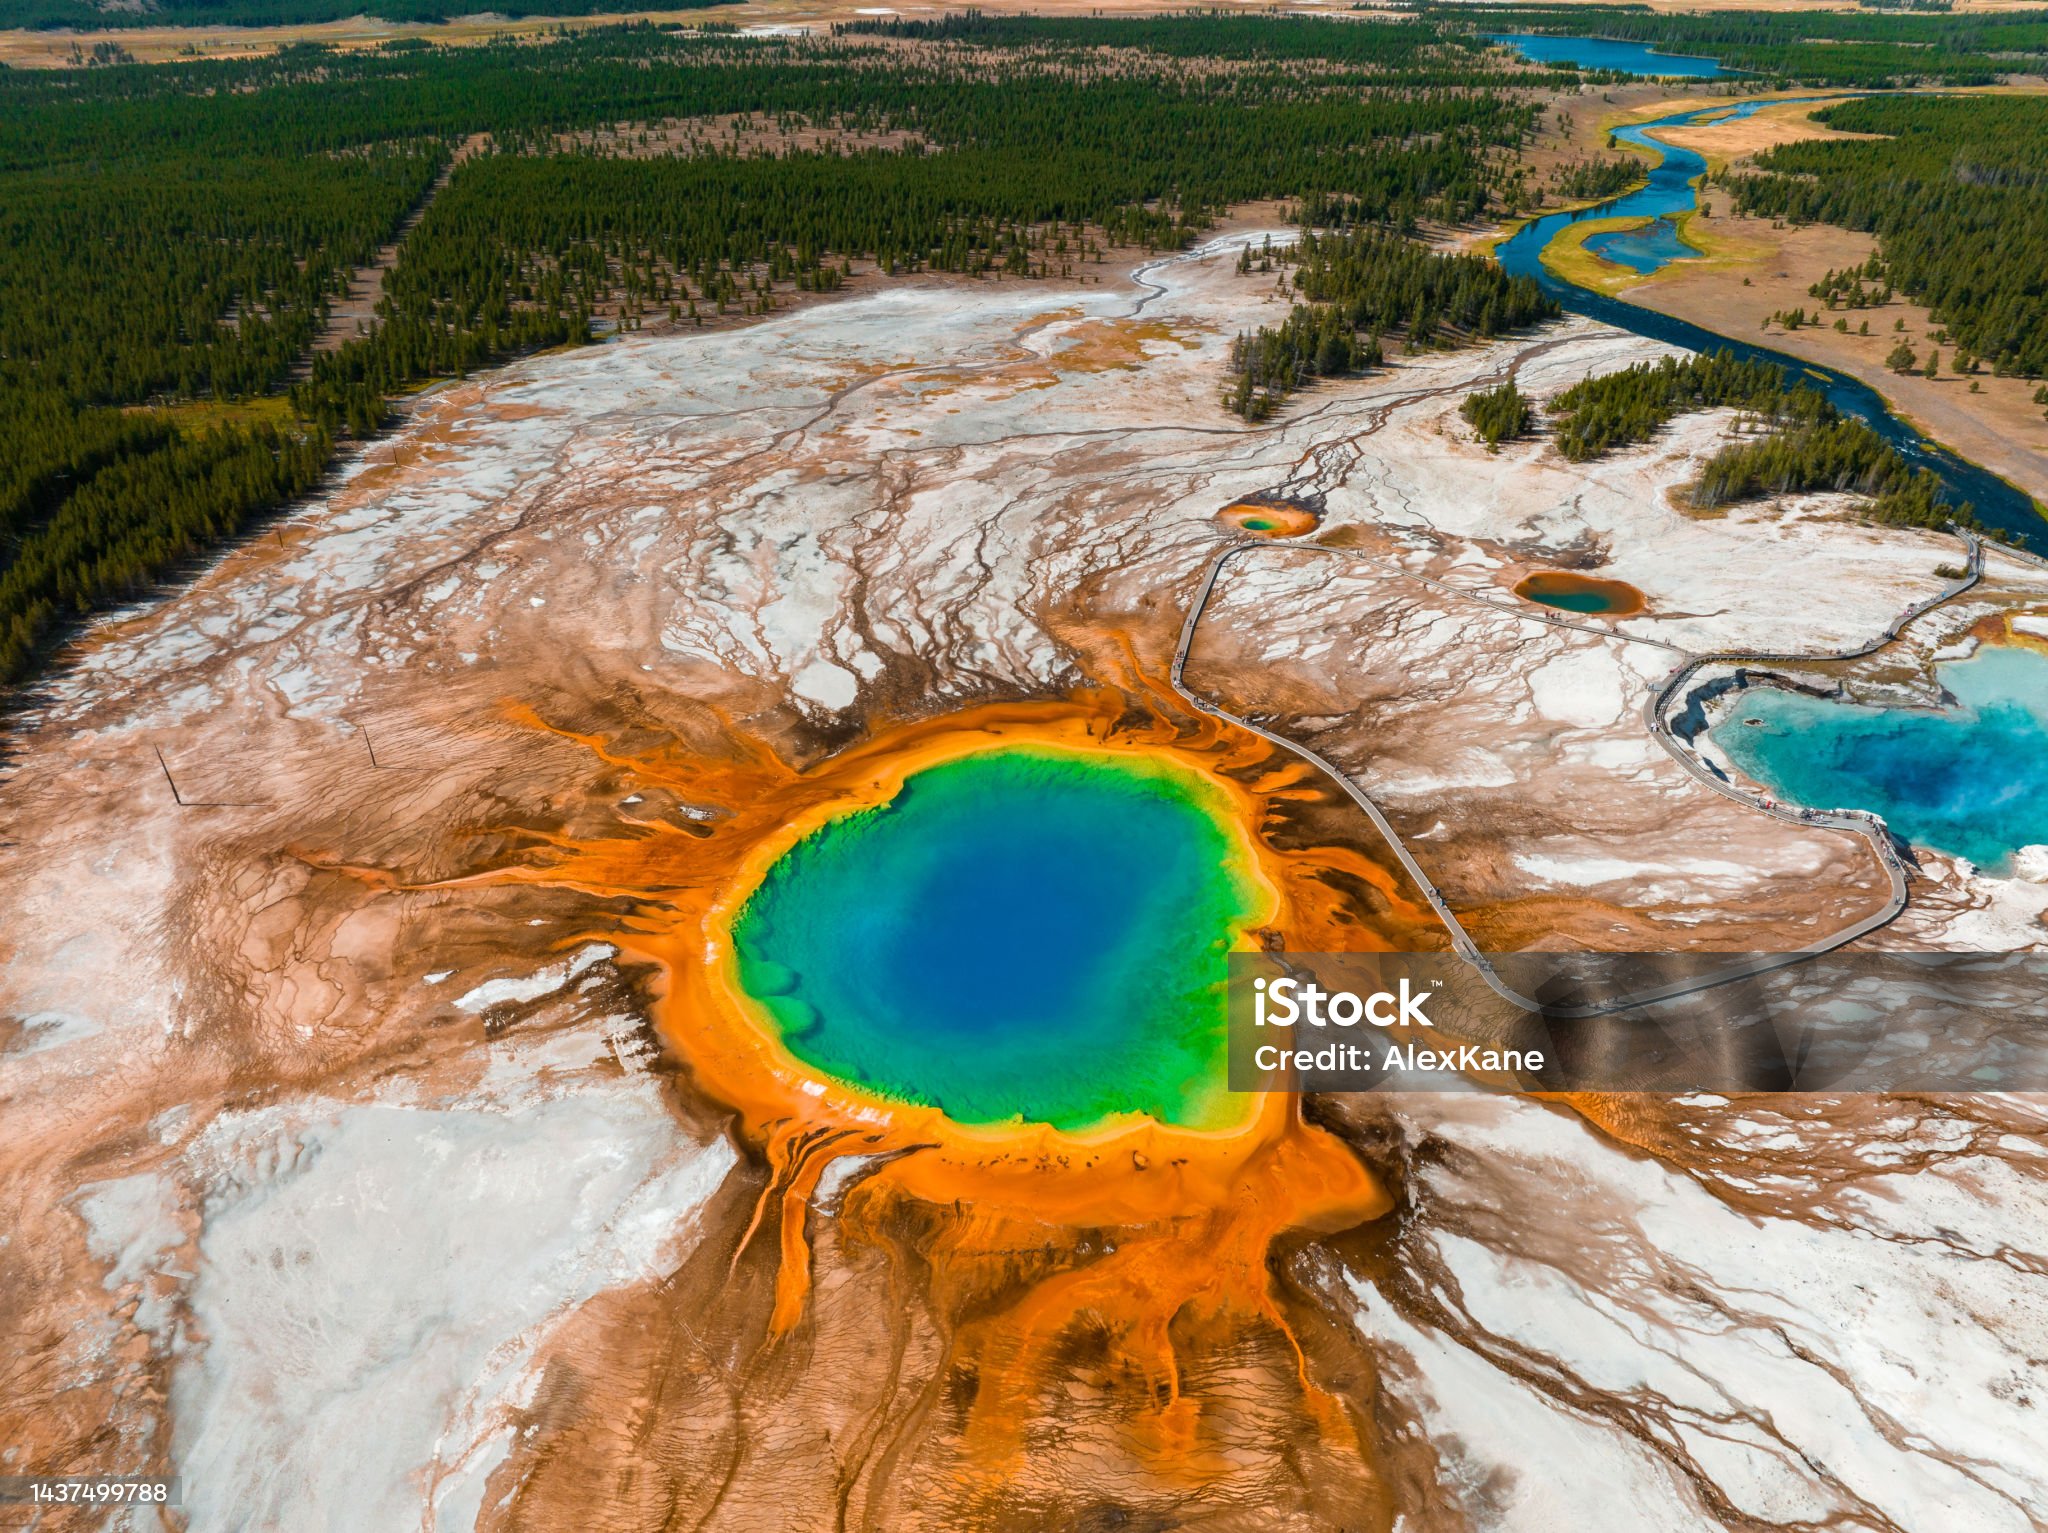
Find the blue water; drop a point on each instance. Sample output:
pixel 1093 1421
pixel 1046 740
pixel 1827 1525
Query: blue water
pixel 1643 249
pixel 1592 53
pixel 1669 191
pixel 1017 934
pixel 1971 781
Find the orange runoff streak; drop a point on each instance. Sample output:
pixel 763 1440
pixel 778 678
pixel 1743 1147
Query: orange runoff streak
pixel 1186 1215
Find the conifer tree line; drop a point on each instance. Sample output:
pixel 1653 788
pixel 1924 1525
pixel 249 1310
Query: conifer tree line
pixel 1868 49
pixel 1363 286
pixel 1809 445
pixel 1597 177
pixel 1816 449
pixel 1415 52
pixel 173 237
pixel 1611 410
pixel 1956 192
pixel 1498 414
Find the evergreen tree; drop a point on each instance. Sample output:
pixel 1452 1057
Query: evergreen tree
pixel 1498 414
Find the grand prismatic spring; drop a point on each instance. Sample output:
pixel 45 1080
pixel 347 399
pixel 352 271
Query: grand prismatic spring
pixel 975 964
pixel 1018 934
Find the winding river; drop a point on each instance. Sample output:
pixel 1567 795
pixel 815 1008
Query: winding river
pixel 1671 190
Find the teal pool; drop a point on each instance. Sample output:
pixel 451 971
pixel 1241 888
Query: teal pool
pixel 1971 781
pixel 1570 591
pixel 1021 933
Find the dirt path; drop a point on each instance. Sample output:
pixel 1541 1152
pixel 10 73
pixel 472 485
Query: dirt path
pixel 353 313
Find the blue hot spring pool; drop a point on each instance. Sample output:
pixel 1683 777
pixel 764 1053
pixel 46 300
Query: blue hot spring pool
pixel 1019 933
pixel 1970 781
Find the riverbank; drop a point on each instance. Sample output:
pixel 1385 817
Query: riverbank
pixel 1719 141
pixel 1672 192
pixel 1999 426
pixel 1751 270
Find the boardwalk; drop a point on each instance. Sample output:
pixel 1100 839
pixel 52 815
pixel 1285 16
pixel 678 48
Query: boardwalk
pixel 1858 822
